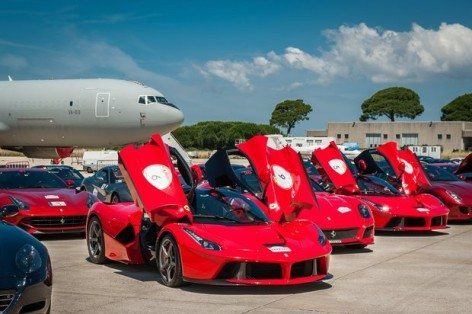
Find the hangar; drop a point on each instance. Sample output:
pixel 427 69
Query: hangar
pixel 450 135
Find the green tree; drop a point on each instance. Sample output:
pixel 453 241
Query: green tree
pixel 393 102
pixel 215 134
pixel 460 109
pixel 289 112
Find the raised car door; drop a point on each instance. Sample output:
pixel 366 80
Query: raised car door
pixel 333 168
pixel 153 181
pixel 285 183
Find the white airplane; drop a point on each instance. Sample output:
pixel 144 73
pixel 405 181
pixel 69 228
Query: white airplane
pixel 49 118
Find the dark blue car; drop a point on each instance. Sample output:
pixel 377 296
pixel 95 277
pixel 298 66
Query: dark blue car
pixel 25 269
pixel 107 185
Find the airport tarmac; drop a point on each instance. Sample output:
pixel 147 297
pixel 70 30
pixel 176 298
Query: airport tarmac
pixel 426 272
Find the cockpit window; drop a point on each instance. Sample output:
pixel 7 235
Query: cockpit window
pixel 161 100
pixel 147 100
pixel 151 99
pixel 142 100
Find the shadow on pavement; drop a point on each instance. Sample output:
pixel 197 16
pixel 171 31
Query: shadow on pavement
pixel 59 236
pixel 412 234
pixel 339 250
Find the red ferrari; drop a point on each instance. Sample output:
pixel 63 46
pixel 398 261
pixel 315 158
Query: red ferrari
pixel 344 220
pixel 47 204
pixel 205 235
pixel 464 171
pixel 403 169
pixel 391 210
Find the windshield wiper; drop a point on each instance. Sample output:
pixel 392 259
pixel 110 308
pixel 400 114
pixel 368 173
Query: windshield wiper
pixel 217 217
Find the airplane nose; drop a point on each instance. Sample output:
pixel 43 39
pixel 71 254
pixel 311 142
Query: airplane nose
pixel 177 116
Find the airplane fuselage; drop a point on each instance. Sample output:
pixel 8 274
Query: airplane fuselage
pixel 80 113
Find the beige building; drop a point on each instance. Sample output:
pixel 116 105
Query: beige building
pixel 450 135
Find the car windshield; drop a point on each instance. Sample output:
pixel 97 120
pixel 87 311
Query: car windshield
pixel 436 173
pixel 66 174
pixel 310 169
pixel 375 186
pixel 225 205
pixel 30 180
pixel 249 178
pixel 116 175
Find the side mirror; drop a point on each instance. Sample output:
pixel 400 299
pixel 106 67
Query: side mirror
pixel 362 166
pixel 70 183
pixel 197 173
pixel 9 211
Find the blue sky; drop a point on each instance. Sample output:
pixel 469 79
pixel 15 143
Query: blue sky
pixel 234 60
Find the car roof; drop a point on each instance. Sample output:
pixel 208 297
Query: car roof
pixel 22 169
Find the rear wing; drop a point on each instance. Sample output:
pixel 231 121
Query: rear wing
pixel 154 182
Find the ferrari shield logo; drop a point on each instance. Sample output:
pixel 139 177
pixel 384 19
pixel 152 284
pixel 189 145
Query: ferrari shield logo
pixel 333 234
pixel 338 165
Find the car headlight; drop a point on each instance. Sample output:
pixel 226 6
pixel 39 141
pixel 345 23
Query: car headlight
pixel 203 242
pixel 364 210
pixel 384 208
pixel 28 259
pixel 90 200
pixel 19 203
pixel 454 196
pixel 322 240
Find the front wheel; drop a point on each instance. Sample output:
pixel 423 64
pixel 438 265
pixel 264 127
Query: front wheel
pixel 95 241
pixel 169 263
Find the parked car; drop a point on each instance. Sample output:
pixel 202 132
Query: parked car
pixel 25 268
pixel 66 173
pixel 207 236
pixel 464 171
pixel 107 185
pixel 46 203
pixel 407 174
pixel 392 210
pixel 344 220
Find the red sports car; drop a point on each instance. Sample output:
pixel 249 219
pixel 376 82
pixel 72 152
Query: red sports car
pixel 392 211
pixel 403 169
pixel 464 171
pixel 47 204
pixel 206 235
pixel 343 219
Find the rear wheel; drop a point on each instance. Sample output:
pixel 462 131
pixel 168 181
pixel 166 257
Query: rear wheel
pixel 169 263
pixel 95 241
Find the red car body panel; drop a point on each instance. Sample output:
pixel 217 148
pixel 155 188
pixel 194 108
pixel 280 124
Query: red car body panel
pixel 415 180
pixel 244 247
pixel 402 212
pixel 464 171
pixel 335 215
pixel 50 210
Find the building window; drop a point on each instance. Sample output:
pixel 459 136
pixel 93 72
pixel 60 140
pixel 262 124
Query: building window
pixel 409 139
pixel 385 136
pixel 439 136
pixel 346 136
pixel 372 139
pixel 448 136
pixel 309 142
pixel 338 136
pixel 397 136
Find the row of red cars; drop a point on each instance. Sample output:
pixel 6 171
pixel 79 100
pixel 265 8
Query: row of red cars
pixel 273 222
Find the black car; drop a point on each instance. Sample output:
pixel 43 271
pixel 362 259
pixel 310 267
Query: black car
pixel 25 269
pixel 66 173
pixel 107 185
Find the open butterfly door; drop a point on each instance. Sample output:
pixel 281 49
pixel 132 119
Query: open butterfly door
pixel 407 167
pixel 331 165
pixel 284 180
pixel 153 181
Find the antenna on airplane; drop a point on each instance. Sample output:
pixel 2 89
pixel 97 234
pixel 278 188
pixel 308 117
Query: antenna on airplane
pixel 9 78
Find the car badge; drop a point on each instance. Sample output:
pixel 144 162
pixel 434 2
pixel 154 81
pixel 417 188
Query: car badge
pixel 63 221
pixel 333 234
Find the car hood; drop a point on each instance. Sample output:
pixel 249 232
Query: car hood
pixel 334 212
pixel 47 197
pixel 461 188
pixel 12 239
pixel 407 205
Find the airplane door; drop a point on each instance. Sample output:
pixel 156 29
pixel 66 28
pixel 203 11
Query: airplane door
pixel 102 105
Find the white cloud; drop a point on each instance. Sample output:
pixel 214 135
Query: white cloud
pixel 379 55
pixel 238 72
pixel 13 62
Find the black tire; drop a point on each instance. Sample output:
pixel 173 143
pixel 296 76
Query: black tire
pixel 115 199
pixel 95 241
pixel 169 264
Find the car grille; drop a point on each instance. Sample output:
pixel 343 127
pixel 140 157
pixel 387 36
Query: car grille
pixel 406 222
pixel 263 271
pixel 55 221
pixel 5 300
pixel 438 221
pixel 368 232
pixel 340 234
pixel 303 269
